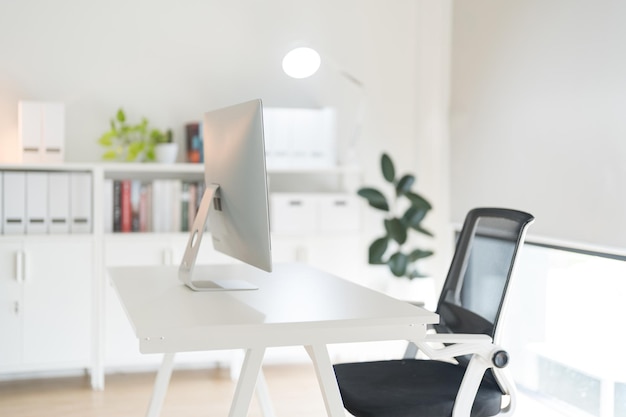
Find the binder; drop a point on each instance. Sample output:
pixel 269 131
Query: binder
pixel 36 203
pixel 59 202
pixel 41 130
pixel 30 130
pixel 80 202
pixel 53 133
pixel 14 199
pixel 108 206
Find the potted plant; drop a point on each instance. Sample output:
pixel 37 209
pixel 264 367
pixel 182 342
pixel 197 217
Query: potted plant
pixel 404 212
pixel 165 150
pixel 130 142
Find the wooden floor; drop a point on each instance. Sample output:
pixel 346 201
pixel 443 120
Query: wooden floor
pixel 208 392
pixel 201 392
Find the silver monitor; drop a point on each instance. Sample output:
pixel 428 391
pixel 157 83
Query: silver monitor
pixel 236 198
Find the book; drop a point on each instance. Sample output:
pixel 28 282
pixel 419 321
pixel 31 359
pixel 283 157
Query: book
pixel 126 207
pixel 184 207
pixel 135 196
pixel 117 206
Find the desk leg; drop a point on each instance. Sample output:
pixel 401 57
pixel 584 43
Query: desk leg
pixel 327 380
pixel 247 382
pixel 160 385
pixel 263 396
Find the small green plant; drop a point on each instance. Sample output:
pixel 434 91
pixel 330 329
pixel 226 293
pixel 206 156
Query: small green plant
pixel 405 211
pixel 131 142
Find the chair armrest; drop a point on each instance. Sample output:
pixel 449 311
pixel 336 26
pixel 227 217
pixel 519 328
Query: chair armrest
pixel 456 345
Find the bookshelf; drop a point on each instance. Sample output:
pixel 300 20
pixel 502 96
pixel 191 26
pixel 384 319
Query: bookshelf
pixel 71 267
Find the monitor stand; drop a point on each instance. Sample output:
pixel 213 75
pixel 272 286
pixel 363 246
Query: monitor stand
pixel 185 271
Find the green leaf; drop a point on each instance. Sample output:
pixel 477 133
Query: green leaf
pixel 418 254
pixel 374 197
pixel 134 150
pixel 142 127
pixel 109 155
pixel 396 230
pixel 156 136
pixel 120 116
pixel 413 216
pixel 106 139
pixel 398 263
pixel 421 230
pixel 377 250
pixel 150 155
pixel 418 201
pixel 387 167
pixel 405 184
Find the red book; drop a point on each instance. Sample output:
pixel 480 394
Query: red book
pixel 127 211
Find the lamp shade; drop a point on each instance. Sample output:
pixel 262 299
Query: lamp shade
pixel 301 62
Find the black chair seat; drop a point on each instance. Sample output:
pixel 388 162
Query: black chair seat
pixel 410 387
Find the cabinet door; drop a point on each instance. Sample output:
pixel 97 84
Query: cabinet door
pixel 57 303
pixel 10 305
pixel 128 250
pixel 121 344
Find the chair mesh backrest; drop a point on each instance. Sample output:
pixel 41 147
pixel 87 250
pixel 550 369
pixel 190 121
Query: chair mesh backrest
pixel 473 296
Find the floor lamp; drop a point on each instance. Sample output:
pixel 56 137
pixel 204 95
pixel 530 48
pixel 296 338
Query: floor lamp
pixel 303 62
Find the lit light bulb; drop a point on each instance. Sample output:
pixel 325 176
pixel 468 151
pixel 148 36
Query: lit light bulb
pixel 301 62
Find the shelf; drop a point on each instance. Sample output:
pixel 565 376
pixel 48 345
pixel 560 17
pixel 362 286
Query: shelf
pixel 64 167
pixel 152 171
pixel 64 237
pixel 122 170
pixel 334 247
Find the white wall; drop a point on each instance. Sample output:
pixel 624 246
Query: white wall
pixel 538 114
pixel 170 61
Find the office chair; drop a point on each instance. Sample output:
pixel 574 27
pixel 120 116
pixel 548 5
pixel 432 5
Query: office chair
pixel 475 382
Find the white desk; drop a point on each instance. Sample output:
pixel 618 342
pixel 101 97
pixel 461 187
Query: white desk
pixel 294 305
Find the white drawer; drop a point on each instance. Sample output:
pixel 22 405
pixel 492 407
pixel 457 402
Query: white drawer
pixel 304 213
pixel 293 213
pixel 338 213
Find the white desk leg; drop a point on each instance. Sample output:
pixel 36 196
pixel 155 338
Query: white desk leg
pixel 247 381
pixel 327 380
pixel 160 385
pixel 263 396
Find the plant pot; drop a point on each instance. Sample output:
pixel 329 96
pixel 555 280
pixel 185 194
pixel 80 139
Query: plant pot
pixel 166 152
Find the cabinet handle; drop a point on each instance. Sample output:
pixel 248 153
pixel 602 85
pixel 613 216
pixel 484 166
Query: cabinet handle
pixel 20 266
pixel 16 308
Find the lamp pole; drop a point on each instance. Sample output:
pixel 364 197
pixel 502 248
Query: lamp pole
pixel 303 62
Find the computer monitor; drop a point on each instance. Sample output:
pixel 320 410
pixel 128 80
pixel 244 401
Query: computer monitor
pixel 235 201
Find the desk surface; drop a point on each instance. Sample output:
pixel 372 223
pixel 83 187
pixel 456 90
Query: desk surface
pixel 294 305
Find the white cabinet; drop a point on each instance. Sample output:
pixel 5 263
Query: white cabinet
pixel 46 301
pixel 10 304
pixel 58 310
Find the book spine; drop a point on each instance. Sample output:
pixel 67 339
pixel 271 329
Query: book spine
pixel 143 208
pixel 135 197
pixel 184 209
pixel 117 206
pixel 126 207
